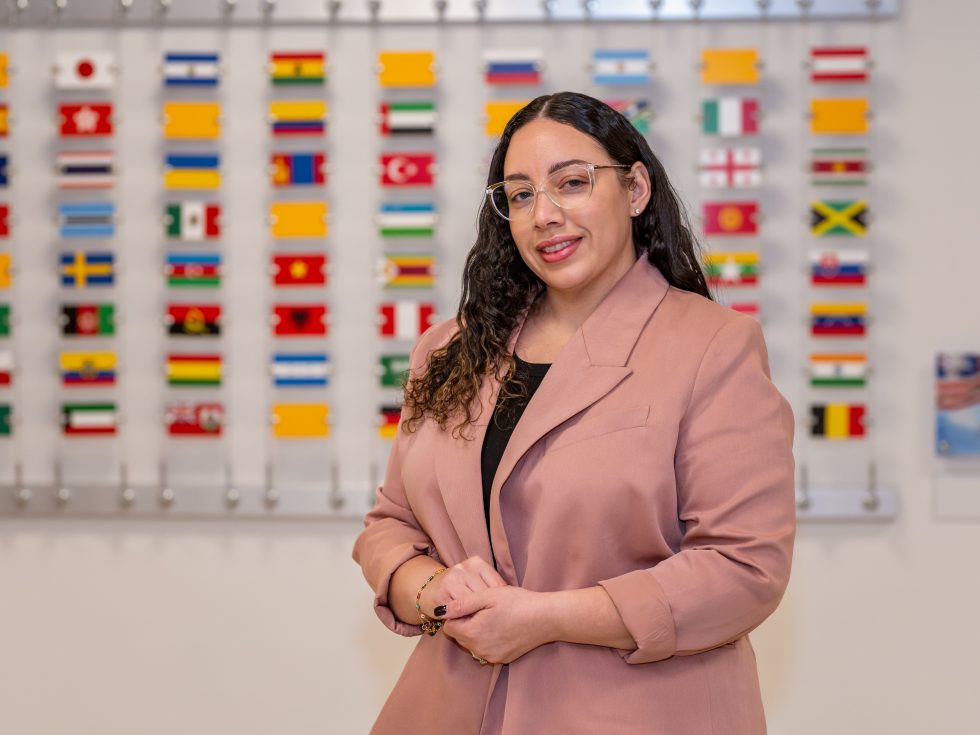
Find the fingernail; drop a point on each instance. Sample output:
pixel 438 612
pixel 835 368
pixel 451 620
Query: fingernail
pixel 440 611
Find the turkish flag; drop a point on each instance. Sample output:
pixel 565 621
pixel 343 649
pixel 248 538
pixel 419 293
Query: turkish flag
pixel 408 169
pixel 85 119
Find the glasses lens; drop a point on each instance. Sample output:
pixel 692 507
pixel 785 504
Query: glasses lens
pixel 570 187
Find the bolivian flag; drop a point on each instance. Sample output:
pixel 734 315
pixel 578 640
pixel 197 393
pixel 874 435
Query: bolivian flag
pixel 194 369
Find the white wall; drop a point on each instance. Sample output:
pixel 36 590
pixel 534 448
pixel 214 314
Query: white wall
pixel 164 627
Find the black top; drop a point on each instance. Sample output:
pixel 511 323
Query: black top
pixel 506 414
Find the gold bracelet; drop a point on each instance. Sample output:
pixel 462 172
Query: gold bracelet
pixel 429 625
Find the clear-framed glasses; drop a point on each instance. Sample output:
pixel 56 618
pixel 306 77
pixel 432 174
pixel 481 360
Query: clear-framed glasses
pixel 568 187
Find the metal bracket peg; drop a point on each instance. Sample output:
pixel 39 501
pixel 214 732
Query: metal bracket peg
pixel 22 492
pixel 232 496
pixel 871 499
pixel 127 496
pixel 336 498
pixel 333 9
pixel 270 496
pixel 803 489
pixel 374 9
pixel 167 495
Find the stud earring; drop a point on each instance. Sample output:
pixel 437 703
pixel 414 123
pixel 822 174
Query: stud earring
pixel 636 211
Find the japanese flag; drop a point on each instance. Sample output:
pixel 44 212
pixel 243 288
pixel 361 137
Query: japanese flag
pixel 84 70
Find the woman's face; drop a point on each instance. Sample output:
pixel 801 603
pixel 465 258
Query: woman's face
pixel 594 241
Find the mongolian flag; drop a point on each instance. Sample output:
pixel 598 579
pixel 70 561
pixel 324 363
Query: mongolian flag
pixel 88 418
pixel 84 119
pixel 84 70
pixel 497 114
pixel 87 219
pixel 298 117
pixel 838 267
pixel 298 219
pixel 6 368
pixel 838 370
pixel 4 220
pixel 196 270
pixel 191 120
pixel 80 269
pixel 407 219
pixel 730 117
pixel 4 270
pixel 405 319
pixel 848 218
pixel 191 418
pixel 5 420
pixel 87 368
pixel 88 320
pixel 299 269
pixel 183 69
pixel 85 169
pixel 388 417
pixel 838 320
pixel 4 120
pixel 621 67
pixel 300 420
pixel 839 116
pixel 729 66
pixel 193 320
pixel 726 168
pixel 839 64
pixel 393 370
pixel 293 370
pixel 636 111
pixel 4 320
pixel 194 370
pixel 731 218
pixel 837 420
pixel 732 268
pixel 296 169
pixel 407 118
pixel 839 167
pixel 512 67
pixel 408 169
pixel 297 67
pixel 407 68
pixel 407 270
pixel 192 221
pixel 299 320
pixel 191 171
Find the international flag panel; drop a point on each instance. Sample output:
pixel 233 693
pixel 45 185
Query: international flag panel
pixel 407 270
pixel 193 270
pixel 192 221
pixel 298 219
pixel 407 118
pixel 4 170
pixel 405 319
pixel 730 66
pixel 299 320
pixel 4 70
pixel 838 319
pixel 300 369
pixel 85 119
pixel 730 168
pixel 837 420
pixel 839 64
pixel 83 419
pixel 839 267
pixel 194 418
pixel 84 70
pixel 4 220
pixel 191 69
pixel 191 171
pixel 393 370
pixel 843 218
pixel 497 113
pixel 297 67
pixel 406 219
pixel 6 419
pixel 621 67
pixel 839 116
pixel 191 120
pixel 839 167
pixel 193 320
pixel 298 169
pixel 85 169
pixel 87 369
pixel 299 269
pixel 4 320
pixel 512 66
pixel 731 218
pixel 80 269
pixel 407 68
pixel 86 219
pixel 732 268
pixel 407 169
pixel 5 270
pixel 6 368
pixel 730 117
pixel 838 369
pixel 4 120
pixel 300 420
pixel 198 369
pixel 88 320
pixel 293 118
pixel 388 417
pixel 637 111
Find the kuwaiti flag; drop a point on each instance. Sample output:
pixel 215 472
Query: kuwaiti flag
pixel 621 67
pixel 88 418
pixel 84 70
pixel 839 267
pixel 186 69
pixel 292 369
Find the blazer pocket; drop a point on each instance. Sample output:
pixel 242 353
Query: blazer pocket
pixel 595 425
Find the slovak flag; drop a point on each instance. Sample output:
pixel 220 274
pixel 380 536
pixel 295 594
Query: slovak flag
pixel 408 169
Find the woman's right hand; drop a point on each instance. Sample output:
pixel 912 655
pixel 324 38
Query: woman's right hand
pixel 458 581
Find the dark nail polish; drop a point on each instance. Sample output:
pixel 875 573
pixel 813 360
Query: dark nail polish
pixel 440 611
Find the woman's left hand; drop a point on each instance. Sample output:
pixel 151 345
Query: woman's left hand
pixel 499 624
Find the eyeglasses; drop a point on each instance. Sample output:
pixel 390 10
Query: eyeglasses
pixel 568 187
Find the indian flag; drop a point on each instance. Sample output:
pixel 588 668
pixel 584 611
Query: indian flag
pixel 838 370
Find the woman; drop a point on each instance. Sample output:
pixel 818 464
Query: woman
pixel 638 521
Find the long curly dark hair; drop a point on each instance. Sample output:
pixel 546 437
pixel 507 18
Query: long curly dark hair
pixel 498 286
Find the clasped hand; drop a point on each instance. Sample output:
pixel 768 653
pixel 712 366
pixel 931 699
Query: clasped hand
pixel 486 616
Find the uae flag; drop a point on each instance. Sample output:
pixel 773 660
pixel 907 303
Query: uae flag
pixel 88 418
pixel 730 117
pixel 405 319
pixel 837 420
pixel 87 320
pixel 84 70
pixel 299 320
pixel 839 64
pixel 190 418
pixel 192 220
pixel 407 118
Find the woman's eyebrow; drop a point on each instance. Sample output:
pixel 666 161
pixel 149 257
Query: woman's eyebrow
pixel 554 167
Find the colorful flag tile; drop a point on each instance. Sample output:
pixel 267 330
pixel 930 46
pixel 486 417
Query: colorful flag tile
pixel 4 170
pixel 735 268
pixel 846 218
pixel 729 66
pixel 730 168
pixel 192 221
pixel 6 368
pixel 837 420
pixel 6 420
pixel 87 369
pixel 80 269
pixel 4 220
pixel 731 218
pixel 407 270
pixel 621 67
pixel 84 70
pixel 84 119
pixel 839 167
pixel 408 169
pixel 498 113
pixel 194 370
pixel 85 169
pixel 193 418
pixel 4 120
pixel 839 116
pixel 5 275
pixel 88 320
pixel 405 319
pixel 87 219
pixel 637 111
pixel 406 219
pixel 838 369
pixel 191 171
pixel 4 70
pixel 299 320
pixel 407 68
pixel 730 117
pixel 300 420
pixel 839 64
pixel 838 267
pixel 393 370
pixel 191 120
pixel 300 370
pixel 194 270
pixel 88 418
pixel 297 67
pixel 838 320
pixel 298 117
pixel 298 219
pixel 388 418
pixel 407 118
pixel 191 69
pixel 299 269
pixel 4 320
pixel 193 320
pixel 512 66
pixel 298 169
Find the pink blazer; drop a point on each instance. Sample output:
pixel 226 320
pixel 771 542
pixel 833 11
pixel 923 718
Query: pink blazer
pixel 655 460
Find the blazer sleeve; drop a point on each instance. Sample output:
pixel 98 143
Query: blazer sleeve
pixel 392 535
pixel 734 471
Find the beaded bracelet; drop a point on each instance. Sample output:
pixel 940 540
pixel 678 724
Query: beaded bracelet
pixel 429 625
